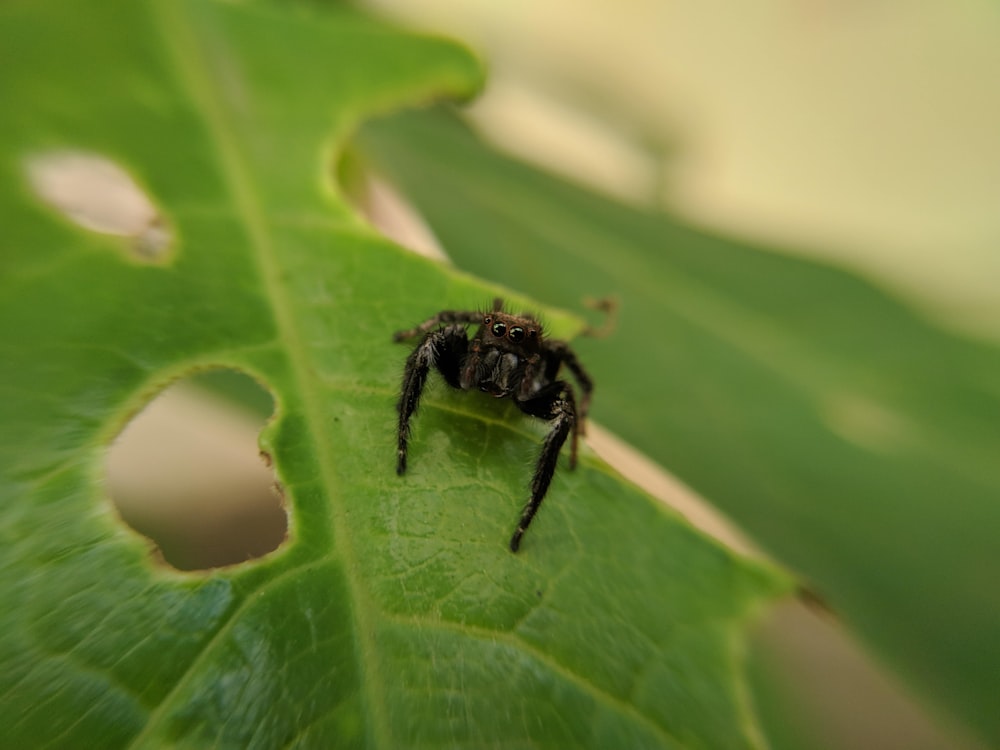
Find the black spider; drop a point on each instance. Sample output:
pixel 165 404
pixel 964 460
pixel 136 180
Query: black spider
pixel 508 357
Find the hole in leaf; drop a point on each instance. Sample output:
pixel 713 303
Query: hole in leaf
pixel 187 473
pixel 97 194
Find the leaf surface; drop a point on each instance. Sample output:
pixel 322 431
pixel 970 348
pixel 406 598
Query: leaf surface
pixel 394 616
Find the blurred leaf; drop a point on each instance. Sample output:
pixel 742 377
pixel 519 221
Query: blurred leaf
pixel 394 616
pixel 852 438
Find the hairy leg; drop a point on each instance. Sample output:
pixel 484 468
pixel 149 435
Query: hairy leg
pixel 449 317
pixel 559 354
pixel 443 349
pixel 555 403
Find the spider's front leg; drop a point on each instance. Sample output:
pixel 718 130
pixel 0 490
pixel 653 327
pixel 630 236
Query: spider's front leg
pixel 446 316
pixel 555 403
pixel 444 349
pixel 564 355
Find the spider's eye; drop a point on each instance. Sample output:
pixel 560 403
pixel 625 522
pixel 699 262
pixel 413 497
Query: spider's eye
pixel 487 320
pixel 532 334
pixel 516 334
pixel 499 329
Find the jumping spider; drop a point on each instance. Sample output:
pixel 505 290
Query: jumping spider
pixel 508 357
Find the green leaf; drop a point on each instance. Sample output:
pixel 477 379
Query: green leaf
pixel 394 616
pixel 849 435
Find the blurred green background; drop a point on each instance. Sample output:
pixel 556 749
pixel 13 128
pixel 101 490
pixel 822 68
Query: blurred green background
pixel 865 133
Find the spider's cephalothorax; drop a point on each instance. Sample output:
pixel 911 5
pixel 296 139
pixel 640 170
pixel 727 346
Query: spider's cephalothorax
pixel 508 357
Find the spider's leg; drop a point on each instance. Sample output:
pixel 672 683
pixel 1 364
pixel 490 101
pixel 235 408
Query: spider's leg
pixel 562 354
pixel 555 403
pixel 443 349
pixel 463 317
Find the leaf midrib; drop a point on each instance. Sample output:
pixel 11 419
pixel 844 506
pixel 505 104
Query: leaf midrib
pixel 184 51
